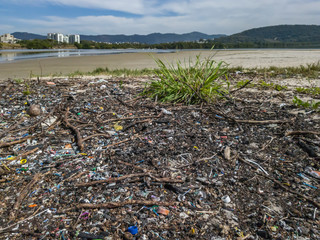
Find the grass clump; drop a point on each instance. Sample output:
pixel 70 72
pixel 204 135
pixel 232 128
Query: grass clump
pixel 306 104
pixel 277 87
pixel 201 81
pixel 312 91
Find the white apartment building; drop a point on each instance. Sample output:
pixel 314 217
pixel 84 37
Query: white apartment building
pixel 8 38
pixel 59 37
pixel 74 39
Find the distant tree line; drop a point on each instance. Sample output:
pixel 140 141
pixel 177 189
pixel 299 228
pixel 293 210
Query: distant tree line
pixel 42 44
pixel 202 44
pixel 208 44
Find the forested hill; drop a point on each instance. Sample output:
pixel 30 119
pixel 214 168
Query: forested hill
pixel 280 33
pixel 154 38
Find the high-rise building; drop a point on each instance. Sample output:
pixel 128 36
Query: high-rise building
pixel 59 37
pixel 74 39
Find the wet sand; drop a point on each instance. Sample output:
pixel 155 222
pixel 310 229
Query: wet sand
pixel 244 58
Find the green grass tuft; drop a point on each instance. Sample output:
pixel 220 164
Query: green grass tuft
pixel 202 81
pixel 310 104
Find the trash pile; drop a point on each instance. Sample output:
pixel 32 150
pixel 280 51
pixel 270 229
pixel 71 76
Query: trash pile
pixel 91 159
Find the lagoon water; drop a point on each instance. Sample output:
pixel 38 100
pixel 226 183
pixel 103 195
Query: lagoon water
pixel 7 56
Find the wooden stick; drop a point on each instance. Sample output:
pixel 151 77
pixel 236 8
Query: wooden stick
pixel 8 144
pixel 117 143
pixel 110 180
pixel 134 166
pixel 129 118
pixel 301 133
pixel 25 154
pixel 74 129
pixel 96 135
pixel 109 205
pixel 165 180
pixel 10 128
pixel 23 194
pixel 262 121
pixel 247 83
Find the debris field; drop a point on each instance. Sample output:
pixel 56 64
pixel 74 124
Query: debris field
pixel 91 159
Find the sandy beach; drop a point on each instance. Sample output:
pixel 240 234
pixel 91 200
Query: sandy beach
pixel 244 58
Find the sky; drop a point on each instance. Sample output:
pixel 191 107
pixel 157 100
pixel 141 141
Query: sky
pixel 149 16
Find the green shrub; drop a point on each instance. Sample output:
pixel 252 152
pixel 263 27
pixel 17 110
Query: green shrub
pixel 202 81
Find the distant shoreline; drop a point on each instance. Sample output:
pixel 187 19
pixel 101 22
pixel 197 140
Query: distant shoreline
pixel 246 58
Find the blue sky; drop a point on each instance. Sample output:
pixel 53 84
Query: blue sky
pixel 149 16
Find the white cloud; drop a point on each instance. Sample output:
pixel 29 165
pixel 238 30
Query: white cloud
pixel 180 16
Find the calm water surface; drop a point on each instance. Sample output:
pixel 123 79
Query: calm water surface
pixel 15 55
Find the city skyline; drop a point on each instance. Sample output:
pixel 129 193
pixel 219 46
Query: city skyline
pixel 149 16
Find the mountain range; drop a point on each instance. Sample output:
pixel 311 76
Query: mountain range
pixel 153 38
pixel 273 34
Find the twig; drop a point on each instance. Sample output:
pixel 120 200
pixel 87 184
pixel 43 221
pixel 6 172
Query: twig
pixel 122 204
pixel 301 133
pixel 10 128
pixel 200 160
pixel 74 129
pixel 8 144
pixel 134 166
pixel 263 121
pixel 166 180
pixel 115 144
pixel 32 216
pixel 246 84
pixel 283 186
pixel 135 123
pixel 96 135
pixel 23 155
pixel 266 145
pixel 129 118
pixel 23 194
pixel 110 180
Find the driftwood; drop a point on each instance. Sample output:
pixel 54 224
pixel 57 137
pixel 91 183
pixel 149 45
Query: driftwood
pixel 109 205
pixel 74 129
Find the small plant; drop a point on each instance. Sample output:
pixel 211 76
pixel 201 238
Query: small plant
pixel 300 103
pixel 100 70
pixel 242 83
pixel 277 87
pixel 202 81
pixel 18 81
pixel 313 91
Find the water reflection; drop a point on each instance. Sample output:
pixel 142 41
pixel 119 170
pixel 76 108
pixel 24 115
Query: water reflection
pixel 15 55
pixel 8 56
